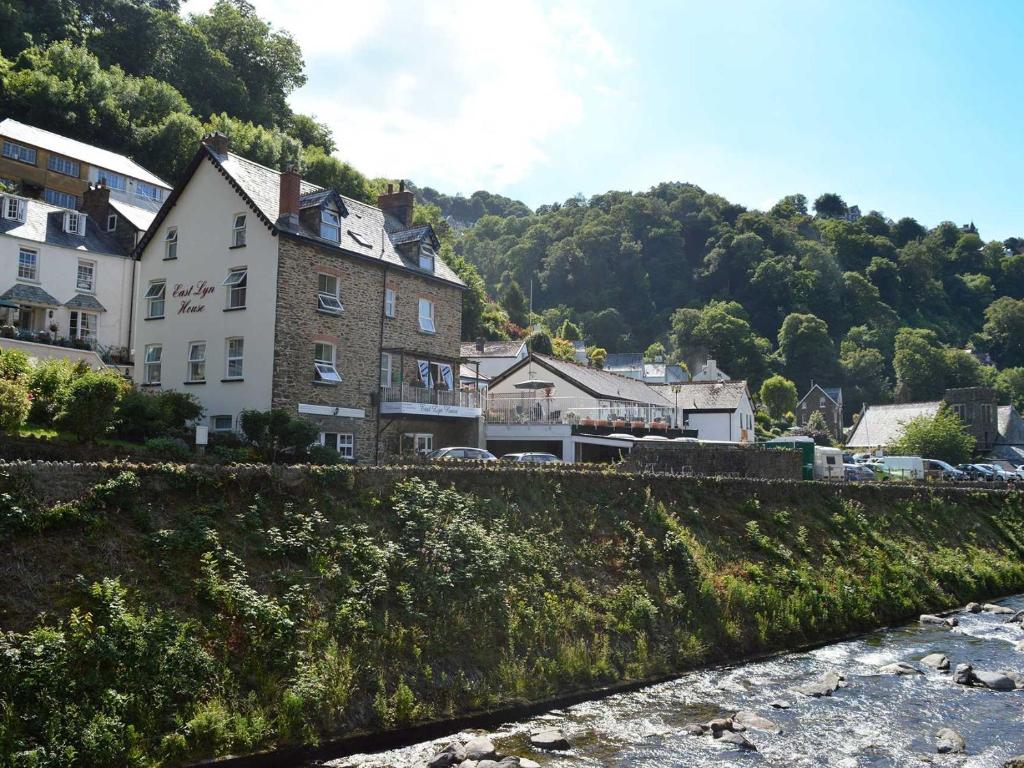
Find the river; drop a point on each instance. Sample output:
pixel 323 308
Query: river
pixel 876 720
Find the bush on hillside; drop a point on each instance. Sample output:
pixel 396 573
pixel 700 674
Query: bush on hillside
pixel 91 406
pixel 49 384
pixel 942 436
pixel 14 365
pixel 14 406
pixel 275 433
pixel 142 415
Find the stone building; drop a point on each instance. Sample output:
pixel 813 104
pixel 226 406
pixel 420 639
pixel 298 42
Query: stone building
pixel 258 290
pixel 828 401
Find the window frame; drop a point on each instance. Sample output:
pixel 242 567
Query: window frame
pixel 171 244
pixel 19 150
pixel 79 223
pixel 220 430
pixel 237 283
pixel 148 364
pixel 76 326
pixel 104 175
pixel 91 265
pixel 388 380
pixel 230 358
pixel 390 302
pixel 60 199
pixel 336 224
pixel 342 440
pixel 156 197
pixel 111 222
pixel 325 299
pixel 238 231
pixel 20 208
pixel 23 251
pixel 325 370
pixel 56 162
pixel 194 361
pixel 429 317
pixel 152 299
pixel 427 254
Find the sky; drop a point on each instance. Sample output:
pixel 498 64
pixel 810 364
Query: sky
pixel 909 108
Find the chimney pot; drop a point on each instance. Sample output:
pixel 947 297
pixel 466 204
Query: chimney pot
pixel 391 189
pixel 288 204
pixel 399 204
pixel 401 186
pixel 218 142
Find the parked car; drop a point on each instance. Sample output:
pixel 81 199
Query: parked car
pixel 459 453
pixel 999 474
pixel 828 463
pixel 858 473
pixel 977 472
pixel 902 467
pixel 862 458
pixel 880 471
pixel 531 458
pixel 940 469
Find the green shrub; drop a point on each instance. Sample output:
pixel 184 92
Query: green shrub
pixel 49 384
pixel 276 433
pixel 144 415
pixel 168 447
pixel 91 405
pixel 321 454
pixel 178 408
pixel 14 406
pixel 14 365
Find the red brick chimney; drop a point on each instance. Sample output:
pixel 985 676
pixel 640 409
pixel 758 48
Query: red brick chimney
pixel 288 205
pixel 218 142
pixel 399 204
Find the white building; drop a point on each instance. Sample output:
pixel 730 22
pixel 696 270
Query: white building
pixel 68 278
pixel 493 357
pixel 718 410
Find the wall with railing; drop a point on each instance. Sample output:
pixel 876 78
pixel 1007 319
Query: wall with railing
pixel 529 408
pixel 406 393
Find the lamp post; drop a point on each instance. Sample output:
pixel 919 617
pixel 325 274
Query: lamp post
pixel 675 391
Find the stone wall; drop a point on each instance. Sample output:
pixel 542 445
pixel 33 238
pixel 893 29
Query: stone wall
pixel 978 407
pixel 708 460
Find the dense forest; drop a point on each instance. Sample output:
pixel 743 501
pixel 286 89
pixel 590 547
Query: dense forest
pixel 885 308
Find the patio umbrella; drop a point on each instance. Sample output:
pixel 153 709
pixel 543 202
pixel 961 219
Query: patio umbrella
pixel 534 384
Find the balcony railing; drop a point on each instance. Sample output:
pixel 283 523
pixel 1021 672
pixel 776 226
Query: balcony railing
pixel 407 399
pixel 524 408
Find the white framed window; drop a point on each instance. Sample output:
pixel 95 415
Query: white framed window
pixel 20 153
pixel 223 423
pixel 171 243
pixel 111 222
pixel 14 208
pixel 113 180
pixel 151 371
pixel 342 442
pixel 427 256
pixel 74 223
pixel 64 165
pixel 83 326
pixel 238 231
pixel 427 316
pixel 324 363
pixel 420 442
pixel 387 370
pixel 28 264
pixel 60 199
pixel 155 299
pixel 197 361
pixel 149 191
pixel 236 282
pixel 330 225
pixel 328 294
pixel 234 356
pixel 390 304
pixel 86 281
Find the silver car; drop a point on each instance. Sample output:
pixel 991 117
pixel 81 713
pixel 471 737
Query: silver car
pixel 461 454
pixel 531 458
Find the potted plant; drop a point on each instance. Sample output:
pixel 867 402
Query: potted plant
pixel 658 424
pixel 587 421
pixel 637 423
pixel 618 422
pixel 53 329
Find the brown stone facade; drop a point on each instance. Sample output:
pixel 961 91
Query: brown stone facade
pixel 359 334
pixel 978 408
pixel 35 178
pixel 817 400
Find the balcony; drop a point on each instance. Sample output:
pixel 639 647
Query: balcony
pixel 585 413
pixel 406 400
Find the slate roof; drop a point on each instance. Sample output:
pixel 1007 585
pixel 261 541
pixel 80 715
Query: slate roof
pixel 706 395
pixel 491 349
pixel 77 150
pixel 140 218
pixel 601 384
pixel 1010 443
pixel 362 225
pixel 84 301
pixel 44 223
pixel 29 294
pixel 881 425
pixel 624 360
pixel 835 394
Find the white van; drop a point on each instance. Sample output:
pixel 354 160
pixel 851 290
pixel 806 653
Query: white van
pixel 828 463
pixel 902 467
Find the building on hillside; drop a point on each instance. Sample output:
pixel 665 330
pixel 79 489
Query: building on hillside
pixel 828 401
pixel 63 278
pixel 722 411
pixel 493 357
pixel 633 365
pixel 59 170
pixel 258 290
pixel 577 412
pixel 710 371
pixel 882 425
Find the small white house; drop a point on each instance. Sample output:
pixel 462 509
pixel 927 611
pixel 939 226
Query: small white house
pixel 718 410
pixel 67 277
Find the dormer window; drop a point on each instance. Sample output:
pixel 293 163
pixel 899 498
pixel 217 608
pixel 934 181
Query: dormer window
pixel 427 256
pixel 14 209
pixel 74 223
pixel 330 225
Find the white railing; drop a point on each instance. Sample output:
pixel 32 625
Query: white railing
pixel 527 408
pixel 405 393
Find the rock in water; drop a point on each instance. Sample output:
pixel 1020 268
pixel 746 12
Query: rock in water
pixel 1017 618
pixel 749 719
pixel 948 741
pixel 693 729
pixel 509 762
pixel 480 748
pixel 453 754
pixel 1020 646
pixel 780 704
pixel 1015 762
pixel 936 661
pixel 899 668
pixel 526 763
pixel 736 740
pixel 996 681
pixel 829 683
pixel 964 674
pixel 1002 610
pixel 720 724
pixel 484 764
pixel 938 621
pixel 972 608
pixel 553 739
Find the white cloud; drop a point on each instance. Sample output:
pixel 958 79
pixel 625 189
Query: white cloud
pixel 461 95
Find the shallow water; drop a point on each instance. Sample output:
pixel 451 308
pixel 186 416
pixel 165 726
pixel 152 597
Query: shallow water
pixel 876 721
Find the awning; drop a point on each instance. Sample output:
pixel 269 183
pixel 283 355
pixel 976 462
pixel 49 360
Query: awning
pixel 85 302
pixel 29 294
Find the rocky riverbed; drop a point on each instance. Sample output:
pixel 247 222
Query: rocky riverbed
pixel 936 693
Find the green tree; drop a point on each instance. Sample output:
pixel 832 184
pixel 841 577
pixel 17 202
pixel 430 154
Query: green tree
pixel 807 349
pixel 14 406
pixel 830 206
pixel 721 330
pixel 570 331
pixel 563 349
pixel 942 436
pixel 90 409
pixel 322 168
pixel 14 365
pixel 513 300
pixel 1004 326
pixel 597 356
pixel 276 433
pixel 1010 385
pixel 778 394
pixel 540 341
pixel 920 365
pixel 655 351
